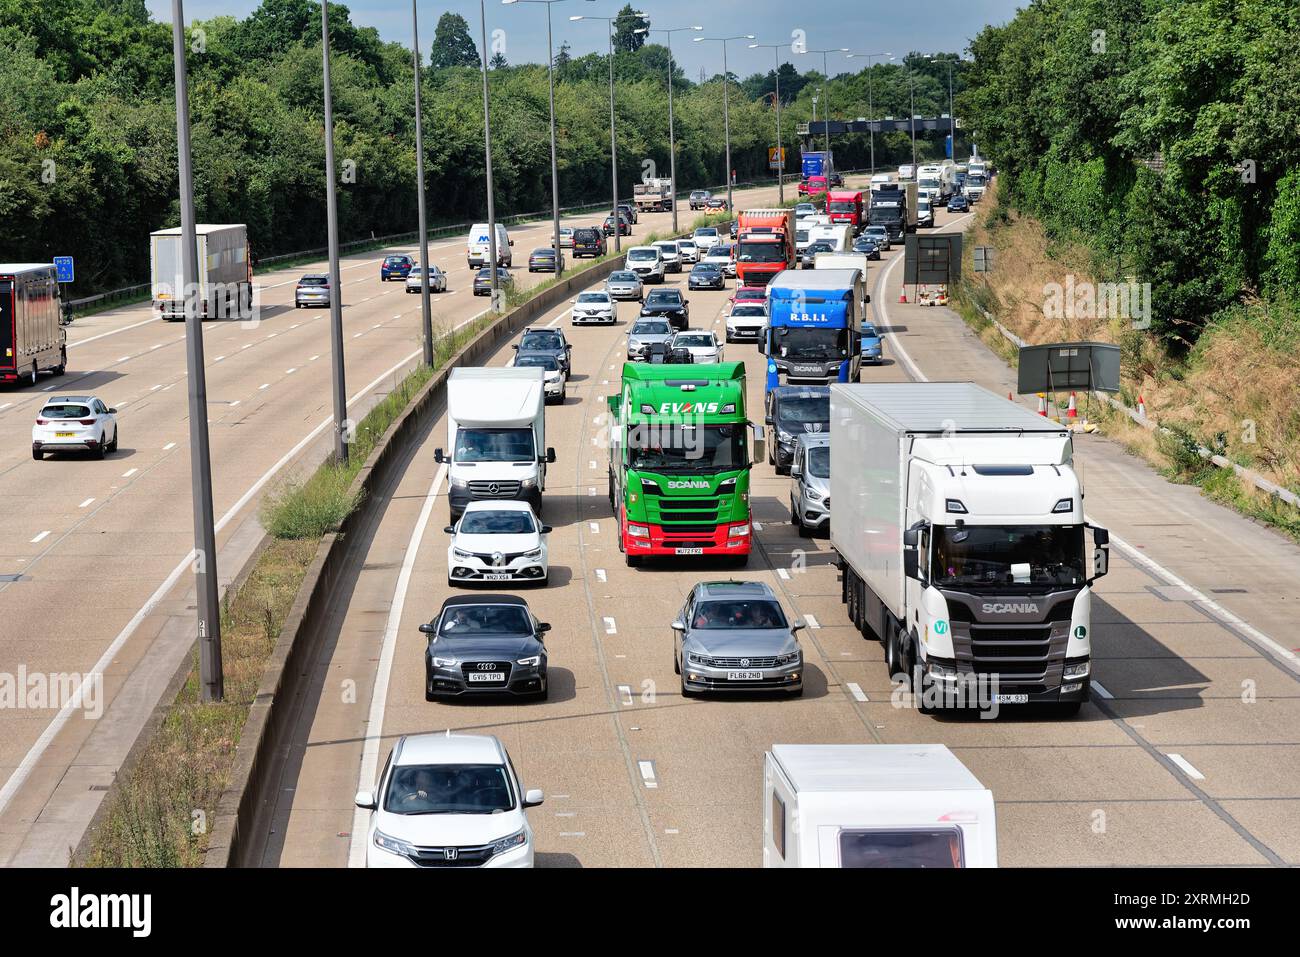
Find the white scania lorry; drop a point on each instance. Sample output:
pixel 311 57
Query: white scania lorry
pixel 959 529
pixel 496 430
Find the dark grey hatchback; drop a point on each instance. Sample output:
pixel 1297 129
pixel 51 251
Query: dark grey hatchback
pixel 485 644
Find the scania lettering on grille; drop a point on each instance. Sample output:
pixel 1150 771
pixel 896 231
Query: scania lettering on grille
pixel 686 408
pixel 1010 608
pixel 688 484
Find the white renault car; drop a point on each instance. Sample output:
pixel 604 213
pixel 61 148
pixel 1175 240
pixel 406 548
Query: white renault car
pixel 74 422
pixel 449 800
pixel 497 540
pixel 593 306
pixel 702 344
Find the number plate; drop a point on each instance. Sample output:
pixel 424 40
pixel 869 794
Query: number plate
pixel 688 551
pixel 744 676
pixel 65 435
pixel 488 676
pixel 497 577
pixel 1013 699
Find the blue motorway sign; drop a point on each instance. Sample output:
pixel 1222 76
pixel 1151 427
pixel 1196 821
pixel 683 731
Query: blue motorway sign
pixel 65 268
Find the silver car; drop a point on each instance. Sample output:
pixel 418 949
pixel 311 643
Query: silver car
pixel 733 636
pixel 437 280
pixel 810 485
pixel 312 290
pixel 645 333
pixel 625 284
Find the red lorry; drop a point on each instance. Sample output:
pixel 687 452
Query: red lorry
pixel 764 245
pixel 814 185
pixel 845 206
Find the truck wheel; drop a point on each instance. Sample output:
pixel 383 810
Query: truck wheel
pixel 34 374
pixel 891 654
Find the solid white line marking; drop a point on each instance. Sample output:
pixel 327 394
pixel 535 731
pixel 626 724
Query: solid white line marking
pixel 40 536
pixel 129 472
pixel 264 385
pixel 169 446
pixel 1097 687
pixel 85 503
pixel 246 345
pixel 647 769
pixel 1186 767
pixel 812 622
pixel 158 346
pixel 295 368
pixel 315 357
pixel 120 359
pixel 856 691
pixel 155 388
pixel 5 406
pixel 610 627
pixel 219 358
pixel 783 573
pixel 379 697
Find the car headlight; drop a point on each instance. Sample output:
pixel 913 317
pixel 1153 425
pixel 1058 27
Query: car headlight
pixel 443 662
pixel 792 658
pixel 462 555
pixel 516 840
pixel 634 344
pixel 459 482
pixel 530 662
pixel 784 436
pixel 392 845
pixel 528 483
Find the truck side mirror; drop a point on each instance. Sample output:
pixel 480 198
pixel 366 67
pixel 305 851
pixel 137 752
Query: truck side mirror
pixel 911 563
pixel 911 538
pixel 439 457
pixel 550 456
pixel 767 420
pixel 1100 536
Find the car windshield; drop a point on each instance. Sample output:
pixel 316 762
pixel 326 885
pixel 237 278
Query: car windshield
pixel 541 340
pixel 749 311
pixel 668 297
pixel 650 329
pixel 594 297
pixel 467 621
pixel 819 462
pixel 642 255
pixel 821 246
pixel 449 789
pixel 720 251
pixel 397 260
pixel 494 445
pixel 804 409
pixel 869 332
pixel 801 235
pixel 687 246
pixel 549 363
pixel 707 267
pixel 544 253
pixel 623 277
pixel 586 236
pixel 920 848
pixel 65 412
pixel 1001 556
pixel 705 233
pixel 513 522
pixel 749 613
pixel 669 249
pixel 669 448
pixel 312 281
pixel 700 340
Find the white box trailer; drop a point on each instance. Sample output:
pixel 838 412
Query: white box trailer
pixel 959 529
pixel 656 194
pixel 225 272
pixel 32 339
pixel 496 434
pixel 874 805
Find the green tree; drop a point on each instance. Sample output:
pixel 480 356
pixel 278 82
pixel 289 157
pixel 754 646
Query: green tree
pixel 626 25
pixel 452 43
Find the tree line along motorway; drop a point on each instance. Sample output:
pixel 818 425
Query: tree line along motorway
pixel 1188 753
pixel 93 553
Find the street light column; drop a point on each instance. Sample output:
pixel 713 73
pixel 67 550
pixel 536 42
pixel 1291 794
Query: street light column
pixel 613 148
pixel 332 221
pixel 426 312
pixel 555 173
pixel 487 154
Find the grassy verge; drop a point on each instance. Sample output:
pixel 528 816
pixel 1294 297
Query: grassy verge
pixel 159 816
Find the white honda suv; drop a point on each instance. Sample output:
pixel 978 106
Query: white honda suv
pixel 448 800
pixel 497 540
pixel 68 422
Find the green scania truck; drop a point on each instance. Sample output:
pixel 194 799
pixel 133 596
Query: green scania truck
pixel 679 461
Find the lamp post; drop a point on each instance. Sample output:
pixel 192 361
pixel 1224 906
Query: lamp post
pixel 487 155
pixel 332 233
pixel 726 110
pixel 871 105
pixel 672 138
pixel 780 148
pixel 952 117
pixel 555 175
pixel 211 677
pixel 613 139
pixel 426 311
pixel 826 72
pixel 911 87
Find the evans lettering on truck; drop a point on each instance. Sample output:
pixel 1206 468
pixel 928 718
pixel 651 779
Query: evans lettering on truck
pixel 959 528
pixel 31 339
pixel 679 461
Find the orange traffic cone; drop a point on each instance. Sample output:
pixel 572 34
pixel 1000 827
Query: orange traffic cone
pixel 902 294
pixel 1142 408
pixel 1072 412
pixel 1042 404
pixel 943 295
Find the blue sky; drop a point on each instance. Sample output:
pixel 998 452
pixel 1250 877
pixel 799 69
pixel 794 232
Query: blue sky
pixel 866 27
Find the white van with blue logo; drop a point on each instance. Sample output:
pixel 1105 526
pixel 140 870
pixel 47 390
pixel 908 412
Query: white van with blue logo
pixel 478 250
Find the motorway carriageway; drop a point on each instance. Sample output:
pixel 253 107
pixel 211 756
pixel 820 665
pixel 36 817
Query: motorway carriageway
pixel 93 554
pixel 1172 763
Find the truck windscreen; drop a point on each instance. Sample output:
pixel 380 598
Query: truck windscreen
pixel 884 215
pixel 8 348
pixel 842 207
pixel 767 252
pixel 495 445
pixel 665 447
pixel 811 344
pixel 998 556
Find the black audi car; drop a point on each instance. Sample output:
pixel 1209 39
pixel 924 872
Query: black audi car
pixel 668 304
pixel 485 644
